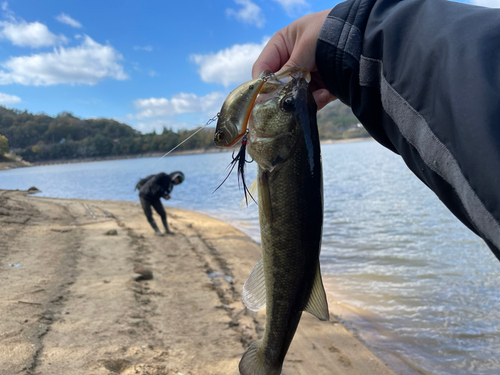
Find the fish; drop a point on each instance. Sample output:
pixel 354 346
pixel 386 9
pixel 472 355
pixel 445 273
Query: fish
pixel 283 140
pixel 233 117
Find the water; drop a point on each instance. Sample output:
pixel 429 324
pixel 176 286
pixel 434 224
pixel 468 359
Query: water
pixel 419 284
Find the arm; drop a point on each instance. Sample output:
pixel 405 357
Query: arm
pixel 419 75
pixel 422 77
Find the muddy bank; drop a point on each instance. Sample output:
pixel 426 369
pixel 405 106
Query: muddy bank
pixel 6 163
pixel 72 304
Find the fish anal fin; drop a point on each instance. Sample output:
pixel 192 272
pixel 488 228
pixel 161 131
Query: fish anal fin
pixel 317 304
pixel 254 289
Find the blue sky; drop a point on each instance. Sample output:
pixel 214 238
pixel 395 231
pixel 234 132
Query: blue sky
pixel 148 64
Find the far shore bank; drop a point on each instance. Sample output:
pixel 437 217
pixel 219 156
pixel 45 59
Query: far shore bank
pixel 5 165
pixel 13 163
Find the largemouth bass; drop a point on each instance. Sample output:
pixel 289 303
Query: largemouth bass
pixel 283 140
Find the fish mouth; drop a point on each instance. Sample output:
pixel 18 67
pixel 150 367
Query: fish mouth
pixel 293 72
pixel 286 82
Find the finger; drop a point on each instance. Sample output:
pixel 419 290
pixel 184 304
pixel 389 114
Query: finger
pixel 323 97
pixel 301 39
pixel 273 56
pixel 302 56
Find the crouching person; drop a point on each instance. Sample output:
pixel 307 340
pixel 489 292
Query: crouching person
pixel 151 190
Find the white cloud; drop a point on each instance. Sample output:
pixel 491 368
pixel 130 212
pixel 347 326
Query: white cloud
pixel 292 6
pixel 88 63
pixel 181 111
pixel 8 99
pixel 64 18
pixel 249 13
pixel 487 3
pixel 33 34
pixel 158 125
pixel 145 48
pixel 7 13
pixel 228 66
pixel 179 104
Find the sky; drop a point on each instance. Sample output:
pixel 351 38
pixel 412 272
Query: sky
pixel 149 64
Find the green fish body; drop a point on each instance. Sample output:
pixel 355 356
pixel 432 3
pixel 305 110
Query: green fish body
pixel 283 140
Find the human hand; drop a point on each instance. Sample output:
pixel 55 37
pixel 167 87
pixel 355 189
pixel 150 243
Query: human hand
pixel 167 197
pixel 295 45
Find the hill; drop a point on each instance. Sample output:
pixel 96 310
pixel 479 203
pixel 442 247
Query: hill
pixel 336 121
pixel 39 137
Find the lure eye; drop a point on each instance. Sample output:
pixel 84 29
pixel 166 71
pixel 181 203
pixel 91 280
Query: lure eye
pixel 218 136
pixel 288 104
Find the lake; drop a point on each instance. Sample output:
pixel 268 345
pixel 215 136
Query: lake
pixel 419 285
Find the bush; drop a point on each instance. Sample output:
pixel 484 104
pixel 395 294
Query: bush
pixel 4 145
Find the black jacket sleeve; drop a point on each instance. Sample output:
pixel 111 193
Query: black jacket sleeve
pixel 423 77
pixel 156 187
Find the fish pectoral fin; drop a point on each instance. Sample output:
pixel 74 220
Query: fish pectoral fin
pixel 250 195
pixel 254 289
pixel 317 304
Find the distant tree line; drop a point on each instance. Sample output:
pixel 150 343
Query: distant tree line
pixel 336 121
pixel 39 137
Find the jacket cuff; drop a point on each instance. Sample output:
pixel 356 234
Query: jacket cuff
pixel 339 47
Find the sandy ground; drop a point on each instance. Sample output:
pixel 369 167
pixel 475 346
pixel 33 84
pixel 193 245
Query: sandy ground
pixel 71 304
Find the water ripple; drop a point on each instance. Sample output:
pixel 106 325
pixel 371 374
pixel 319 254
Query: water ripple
pixel 421 286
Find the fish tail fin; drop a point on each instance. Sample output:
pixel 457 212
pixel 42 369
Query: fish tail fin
pixel 253 362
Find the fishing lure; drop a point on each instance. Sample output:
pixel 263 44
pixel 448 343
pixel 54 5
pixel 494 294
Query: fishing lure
pixel 240 161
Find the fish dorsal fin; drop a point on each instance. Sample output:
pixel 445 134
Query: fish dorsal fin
pixel 254 289
pixel 317 304
pixel 251 195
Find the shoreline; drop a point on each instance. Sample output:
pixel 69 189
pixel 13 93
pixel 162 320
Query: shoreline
pixel 21 163
pixel 77 307
pixel 12 164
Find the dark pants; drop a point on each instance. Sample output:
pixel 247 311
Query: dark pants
pixel 158 206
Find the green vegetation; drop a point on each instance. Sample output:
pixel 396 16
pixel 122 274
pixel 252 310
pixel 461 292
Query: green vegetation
pixel 39 137
pixel 4 145
pixel 336 121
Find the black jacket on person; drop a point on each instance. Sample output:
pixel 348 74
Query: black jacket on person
pixel 423 77
pixel 156 187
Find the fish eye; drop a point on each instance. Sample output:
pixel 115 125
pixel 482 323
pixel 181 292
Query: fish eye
pixel 288 104
pixel 250 87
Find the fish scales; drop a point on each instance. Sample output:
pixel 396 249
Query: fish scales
pixel 290 261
